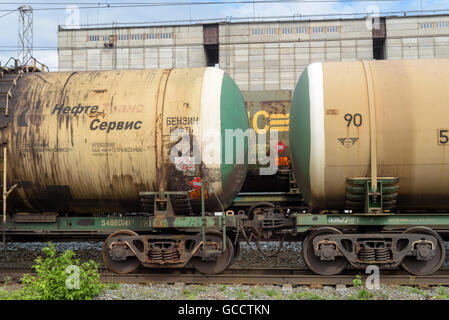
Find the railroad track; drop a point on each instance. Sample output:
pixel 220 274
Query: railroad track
pixel 262 276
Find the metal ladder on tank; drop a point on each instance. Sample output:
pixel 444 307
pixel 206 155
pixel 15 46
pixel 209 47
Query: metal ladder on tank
pixel 9 77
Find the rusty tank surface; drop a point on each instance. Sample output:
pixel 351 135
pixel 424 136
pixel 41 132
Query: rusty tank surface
pixel 372 119
pixel 89 142
pixel 269 111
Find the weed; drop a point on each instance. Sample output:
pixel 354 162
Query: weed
pixel 364 294
pixel 305 295
pixel 357 282
pixel 442 293
pixel 60 277
pixel 240 295
pixel 189 294
pixel 270 292
pixel 114 286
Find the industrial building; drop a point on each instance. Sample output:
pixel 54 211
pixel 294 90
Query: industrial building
pixel 263 55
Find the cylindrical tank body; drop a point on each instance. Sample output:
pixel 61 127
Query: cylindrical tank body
pixel 91 141
pixel 331 125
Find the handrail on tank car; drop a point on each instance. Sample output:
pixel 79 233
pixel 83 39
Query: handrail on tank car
pixel 42 66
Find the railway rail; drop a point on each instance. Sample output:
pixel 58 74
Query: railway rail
pixel 252 276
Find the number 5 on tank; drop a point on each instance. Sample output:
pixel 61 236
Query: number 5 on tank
pixel 443 136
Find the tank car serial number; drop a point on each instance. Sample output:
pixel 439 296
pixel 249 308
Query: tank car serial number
pixel 115 223
pixel 343 220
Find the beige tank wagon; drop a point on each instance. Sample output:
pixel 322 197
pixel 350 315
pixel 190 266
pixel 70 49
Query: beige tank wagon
pixel 89 142
pixel 368 146
pixel 383 120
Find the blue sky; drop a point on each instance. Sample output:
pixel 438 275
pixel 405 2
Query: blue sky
pixel 46 22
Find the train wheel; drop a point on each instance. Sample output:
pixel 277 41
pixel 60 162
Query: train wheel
pixel 120 266
pixel 425 267
pixel 323 267
pixel 220 263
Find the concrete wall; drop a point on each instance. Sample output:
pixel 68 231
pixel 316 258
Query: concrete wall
pixel 134 48
pixel 259 56
pixel 417 37
pixel 271 56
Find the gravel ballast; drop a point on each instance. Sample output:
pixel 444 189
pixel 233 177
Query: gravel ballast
pixel 256 292
pixel 23 254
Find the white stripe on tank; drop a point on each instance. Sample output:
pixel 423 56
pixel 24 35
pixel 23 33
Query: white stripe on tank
pixel 210 120
pixel 317 143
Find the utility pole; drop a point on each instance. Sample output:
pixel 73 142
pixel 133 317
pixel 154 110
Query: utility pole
pixel 25 34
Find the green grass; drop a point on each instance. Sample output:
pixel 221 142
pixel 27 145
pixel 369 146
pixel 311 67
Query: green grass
pixel 442 293
pixel 305 295
pixel 193 292
pixel 114 286
pixel 223 287
pixel 240 295
pixel 191 295
pixel 415 290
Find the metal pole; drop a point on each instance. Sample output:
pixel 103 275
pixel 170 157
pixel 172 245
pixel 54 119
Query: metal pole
pixel 4 195
pixel 223 216
pixel 25 34
pixel 203 218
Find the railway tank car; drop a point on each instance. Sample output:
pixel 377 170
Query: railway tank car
pixel 87 142
pixel 122 153
pixel 370 137
pixel 388 116
pixel 93 153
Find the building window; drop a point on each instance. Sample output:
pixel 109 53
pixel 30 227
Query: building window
pixel 332 29
pixel 427 25
pixel 165 36
pixel 123 36
pixel 257 32
pixel 317 29
pixel 271 31
pixel 442 24
pixel 151 36
pixel 301 30
pixel 287 30
pixel 136 36
pixel 94 38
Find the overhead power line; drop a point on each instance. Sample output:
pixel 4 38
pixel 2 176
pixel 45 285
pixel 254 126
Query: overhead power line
pixel 189 3
pixel 4 15
pixel 93 5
